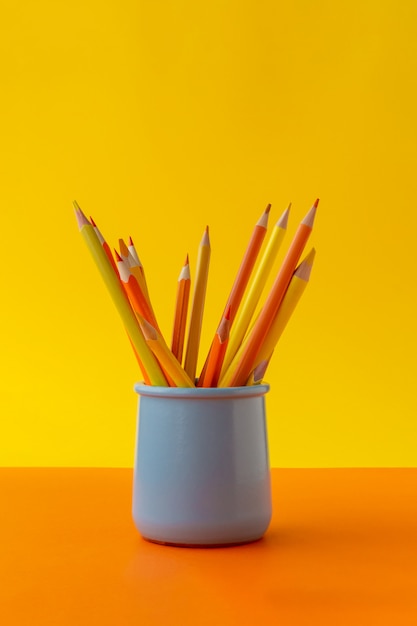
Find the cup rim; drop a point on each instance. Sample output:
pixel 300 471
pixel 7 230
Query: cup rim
pixel 191 393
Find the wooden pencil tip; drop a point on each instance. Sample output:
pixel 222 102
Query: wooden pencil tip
pixel 206 238
pixel 283 220
pixel 303 271
pixel 81 218
pixel 123 248
pixel 268 208
pixel 309 218
pixel 149 331
pixel 316 204
pixel 118 257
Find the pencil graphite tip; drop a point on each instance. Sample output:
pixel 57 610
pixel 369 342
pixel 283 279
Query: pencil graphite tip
pixel 316 204
pixel 131 241
pixel 76 206
pixel 93 222
pixel 268 208
pixel 186 262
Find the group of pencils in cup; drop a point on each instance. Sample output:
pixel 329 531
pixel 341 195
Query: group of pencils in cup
pixel 243 344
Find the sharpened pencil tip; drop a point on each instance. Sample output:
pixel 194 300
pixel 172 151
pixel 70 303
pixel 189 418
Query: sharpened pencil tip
pixel 283 220
pixel 75 204
pixel 316 204
pixel 93 222
pixel 118 257
pixel 131 242
pixel 205 241
pixel 268 208
pixel 81 218
pixel 309 218
pixel 186 262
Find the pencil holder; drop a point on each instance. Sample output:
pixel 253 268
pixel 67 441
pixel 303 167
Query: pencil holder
pixel 202 474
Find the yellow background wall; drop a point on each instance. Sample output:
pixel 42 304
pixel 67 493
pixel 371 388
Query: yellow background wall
pixel 160 117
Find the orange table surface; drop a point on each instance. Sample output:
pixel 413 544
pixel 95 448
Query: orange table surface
pixel 341 549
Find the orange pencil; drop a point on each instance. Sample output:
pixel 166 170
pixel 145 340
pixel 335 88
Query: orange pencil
pixel 244 272
pixel 181 309
pixel 134 292
pixel 247 264
pixel 242 369
pixel 217 352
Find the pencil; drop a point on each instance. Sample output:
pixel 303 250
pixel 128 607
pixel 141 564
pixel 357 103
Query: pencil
pixel 258 373
pixel 240 368
pixel 212 371
pixel 244 271
pixel 181 309
pixel 164 355
pixel 149 365
pixel 124 251
pixel 197 306
pixel 134 292
pixel 107 250
pixel 292 297
pixel 133 252
pixel 101 239
pixel 136 269
pixel 255 288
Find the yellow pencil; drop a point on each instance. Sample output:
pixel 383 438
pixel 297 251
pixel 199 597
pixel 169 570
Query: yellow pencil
pixel 258 373
pixel 150 366
pixel 240 368
pixel 254 291
pixel 164 355
pixel 197 306
pixel 292 296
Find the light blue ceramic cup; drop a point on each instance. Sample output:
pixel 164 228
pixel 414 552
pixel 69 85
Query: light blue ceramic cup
pixel 202 474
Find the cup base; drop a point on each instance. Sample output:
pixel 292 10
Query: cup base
pixel 174 544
